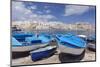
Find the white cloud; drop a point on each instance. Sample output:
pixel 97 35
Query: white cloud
pixel 20 12
pixel 46 16
pixel 75 10
pixel 42 17
pixel 48 11
pixel 39 12
pixel 46 7
pixel 33 7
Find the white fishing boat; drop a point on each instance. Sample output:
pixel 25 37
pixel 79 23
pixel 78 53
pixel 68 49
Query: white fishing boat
pixel 83 37
pixel 71 44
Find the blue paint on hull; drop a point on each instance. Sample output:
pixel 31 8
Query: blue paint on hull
pixel 71 41
pixel 42 54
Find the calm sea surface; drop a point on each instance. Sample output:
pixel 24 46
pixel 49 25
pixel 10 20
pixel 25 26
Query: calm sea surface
pixel 77 32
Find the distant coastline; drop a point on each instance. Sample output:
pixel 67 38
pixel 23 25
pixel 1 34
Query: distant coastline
pixel 26 25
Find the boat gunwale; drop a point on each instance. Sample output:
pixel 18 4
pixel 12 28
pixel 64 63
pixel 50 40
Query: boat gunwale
pixel 39 50
pixel 59 41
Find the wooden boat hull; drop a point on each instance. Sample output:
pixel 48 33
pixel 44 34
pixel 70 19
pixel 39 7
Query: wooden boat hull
pixel 71 44
pixel 69 58
pixel 91 41
pixel 42 54
pixel 20 54
pixel 28 48
pixel 92 46
pixel 69 50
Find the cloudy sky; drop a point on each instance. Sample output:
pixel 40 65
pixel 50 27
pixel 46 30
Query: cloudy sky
pixel 28 11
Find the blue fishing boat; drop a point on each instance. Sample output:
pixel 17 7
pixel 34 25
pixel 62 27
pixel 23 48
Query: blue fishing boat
pixel 45 38
pixel 71 44
pixel 20 47
pixel 91 42
pixel 18 50
pixel 27 42
pixel 20 36
pixel 84 37
pixel 42 53
pixel 91 38
pixel 15 28
pixel 91 46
